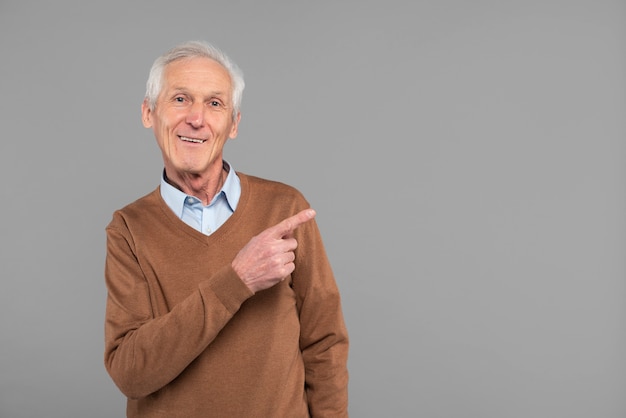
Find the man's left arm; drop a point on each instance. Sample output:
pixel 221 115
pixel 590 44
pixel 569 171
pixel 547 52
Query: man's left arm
pixel 323 335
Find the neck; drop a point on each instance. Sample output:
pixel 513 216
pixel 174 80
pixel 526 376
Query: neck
pixel 204 187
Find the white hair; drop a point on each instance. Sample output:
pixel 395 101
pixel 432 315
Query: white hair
pixel 194 49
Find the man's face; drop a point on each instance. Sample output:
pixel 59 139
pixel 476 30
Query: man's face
pixel 193 116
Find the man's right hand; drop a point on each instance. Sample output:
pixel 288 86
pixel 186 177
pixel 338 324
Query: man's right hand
pixel 269 257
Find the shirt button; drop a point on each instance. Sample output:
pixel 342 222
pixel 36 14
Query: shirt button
pixel 190 200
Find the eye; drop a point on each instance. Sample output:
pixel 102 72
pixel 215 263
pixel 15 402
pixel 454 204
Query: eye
pixel 179 99
pixel 214 103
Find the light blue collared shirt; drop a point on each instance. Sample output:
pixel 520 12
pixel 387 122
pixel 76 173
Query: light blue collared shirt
pixel 190 209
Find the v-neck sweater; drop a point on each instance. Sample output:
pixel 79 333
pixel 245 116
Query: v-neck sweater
pixel 185 337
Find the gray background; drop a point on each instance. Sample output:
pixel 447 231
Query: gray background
pixel 466 158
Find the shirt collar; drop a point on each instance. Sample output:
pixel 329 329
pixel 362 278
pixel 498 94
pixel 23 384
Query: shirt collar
pixel 175 198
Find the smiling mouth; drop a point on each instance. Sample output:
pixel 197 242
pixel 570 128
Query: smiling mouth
pixel 194 140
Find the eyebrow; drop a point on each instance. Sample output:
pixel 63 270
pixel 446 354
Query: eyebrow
pixel 176 90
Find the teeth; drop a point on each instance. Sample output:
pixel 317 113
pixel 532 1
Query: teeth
pixel 197 141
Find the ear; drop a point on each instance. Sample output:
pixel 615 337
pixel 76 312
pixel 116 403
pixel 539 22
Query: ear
pixel 146 114
pixel 235 128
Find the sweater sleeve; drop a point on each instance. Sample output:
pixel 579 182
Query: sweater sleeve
pixel 145 351
pixel 324 338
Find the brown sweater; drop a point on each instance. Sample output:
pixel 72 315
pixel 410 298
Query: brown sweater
pixel 186 338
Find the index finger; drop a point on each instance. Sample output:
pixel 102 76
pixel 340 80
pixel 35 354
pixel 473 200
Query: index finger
pixel 288 225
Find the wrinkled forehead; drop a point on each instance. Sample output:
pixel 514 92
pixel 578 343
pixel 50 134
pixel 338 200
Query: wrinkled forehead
pixel 197 73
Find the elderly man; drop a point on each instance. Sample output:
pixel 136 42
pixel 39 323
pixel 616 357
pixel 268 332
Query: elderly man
pixel 221 300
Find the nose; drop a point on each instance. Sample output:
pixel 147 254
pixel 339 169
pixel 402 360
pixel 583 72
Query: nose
pixel 195 117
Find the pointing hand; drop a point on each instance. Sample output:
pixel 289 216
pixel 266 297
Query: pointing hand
pixel 269 257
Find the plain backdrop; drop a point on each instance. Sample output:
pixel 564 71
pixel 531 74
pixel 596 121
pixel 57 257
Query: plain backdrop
pixel 467 160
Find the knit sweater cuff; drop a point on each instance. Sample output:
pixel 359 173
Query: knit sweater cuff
pixel 228 288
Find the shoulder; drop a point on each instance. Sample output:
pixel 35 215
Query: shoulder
pixel 272 199
pixel 273 188
pixel 138 209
